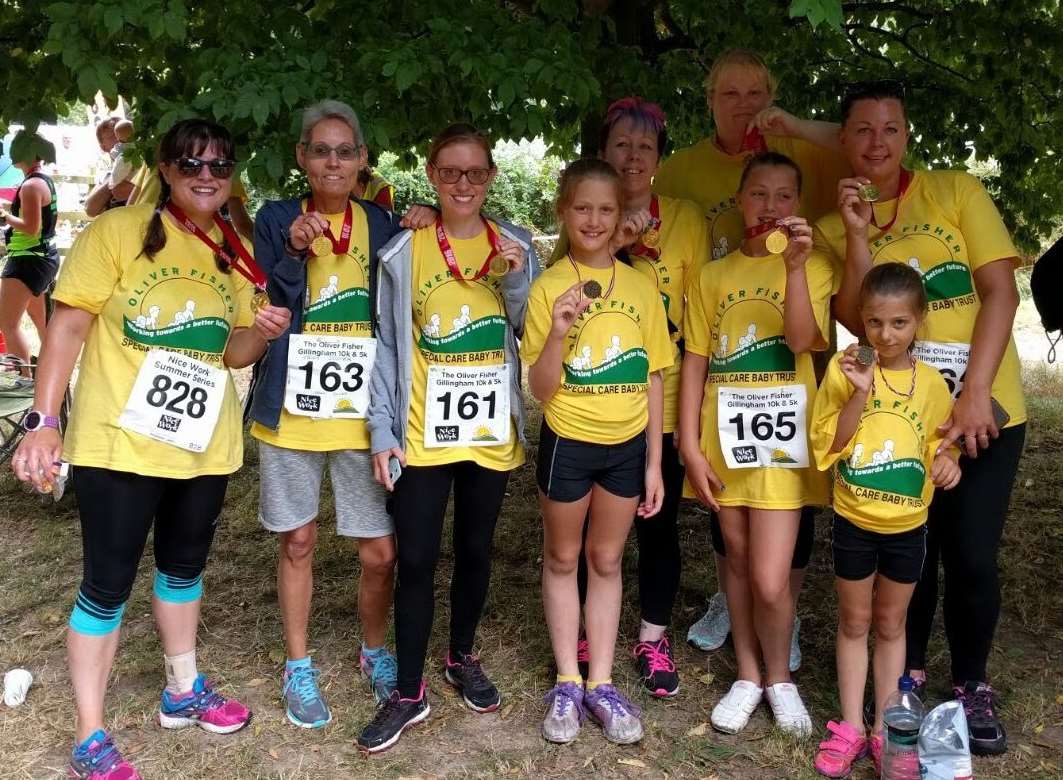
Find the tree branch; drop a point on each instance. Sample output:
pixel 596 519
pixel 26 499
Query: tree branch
pixel 890 7
pixel 901 39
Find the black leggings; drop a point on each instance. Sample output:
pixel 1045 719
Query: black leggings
pixel 963 530
pixel 806 537
pixel 117 510
pixel 419 506
pixel 660 561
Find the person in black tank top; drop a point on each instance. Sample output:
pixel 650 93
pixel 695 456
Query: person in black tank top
pixel 29 228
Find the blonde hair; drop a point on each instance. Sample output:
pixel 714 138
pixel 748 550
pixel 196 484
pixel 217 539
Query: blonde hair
pixel 745 58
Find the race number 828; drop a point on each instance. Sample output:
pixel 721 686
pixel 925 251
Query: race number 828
pixel 194 399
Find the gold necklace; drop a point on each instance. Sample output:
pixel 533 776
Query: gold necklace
pixel 881 373
pixel 591 288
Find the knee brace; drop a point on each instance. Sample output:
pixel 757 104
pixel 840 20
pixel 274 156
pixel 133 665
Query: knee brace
pixel 177 590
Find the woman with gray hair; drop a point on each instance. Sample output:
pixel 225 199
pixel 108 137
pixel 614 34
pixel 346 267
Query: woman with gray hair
pixel 308 407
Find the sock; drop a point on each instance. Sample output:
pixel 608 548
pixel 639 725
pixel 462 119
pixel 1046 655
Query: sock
pixel 181 672
pixel 592 684
pixel 372 652
pixel 569 678
pixel 297 663
pixel 650 632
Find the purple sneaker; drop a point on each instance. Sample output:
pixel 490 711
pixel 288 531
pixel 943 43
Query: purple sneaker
pixel 618 717
pixel 565 714
pixel 100 760
pixel 203 707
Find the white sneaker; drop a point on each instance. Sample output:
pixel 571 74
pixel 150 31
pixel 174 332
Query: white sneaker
pixel 731 713
pixel 711 630
pixel 788 709
pixel 795 646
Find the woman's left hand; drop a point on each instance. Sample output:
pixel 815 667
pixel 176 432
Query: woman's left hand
pixel 630 229
pixel 513 252
pixel 774 121
pixel 654 493
pixel 271 321
pixel 800 246
pixel 971 425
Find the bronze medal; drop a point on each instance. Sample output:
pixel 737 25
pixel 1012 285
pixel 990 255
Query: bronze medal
pixel 258 300
pixel 865 355
pixel 499 266
pixel 776 242
pixel 321 246
pixel 868 193
pixel 592 289
pixel 651 237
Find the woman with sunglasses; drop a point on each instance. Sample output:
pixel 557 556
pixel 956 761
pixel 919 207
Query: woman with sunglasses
pixel 945 225
pixel 740 90
pixel 157 297
pixel 446 413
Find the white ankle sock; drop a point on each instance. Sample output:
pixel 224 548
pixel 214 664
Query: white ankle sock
pixel 648 632
pixel 181 672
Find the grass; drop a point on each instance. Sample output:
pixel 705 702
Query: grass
pixel 240 643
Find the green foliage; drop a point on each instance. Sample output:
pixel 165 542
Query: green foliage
pixel 979 74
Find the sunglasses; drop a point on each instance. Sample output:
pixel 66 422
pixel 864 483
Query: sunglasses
pixel 191 166
pixel 321 151
pixel 453 175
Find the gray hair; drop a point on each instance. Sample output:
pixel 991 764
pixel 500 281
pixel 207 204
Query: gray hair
pixel 330 109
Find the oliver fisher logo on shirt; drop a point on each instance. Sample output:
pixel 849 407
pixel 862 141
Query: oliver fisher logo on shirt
pixel 180 310
pixel 936 254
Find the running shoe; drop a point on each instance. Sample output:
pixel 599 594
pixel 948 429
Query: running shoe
pixel 657 668
pixel 731 713
pixel 100 760
pixel 204 707
pixel 382 671
pixel 788 709
pixel 875 745
pixel 988 737
pixel 564 714
pixel 467 675
pixel 795 646
pixel 843 747
pixel 618 717
pixel 583 657
pixel 392 718
pixel 306 707
pixel 710 632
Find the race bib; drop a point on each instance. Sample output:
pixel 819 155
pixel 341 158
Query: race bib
pixel 328 376
pixel 467 407
pixel 176 400
pixel 763 426
pixel 949 358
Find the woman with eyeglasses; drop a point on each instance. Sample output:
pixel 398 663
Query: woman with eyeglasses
pixel 944 225
pixel 446 414
pixel 157 295
pixel 740 90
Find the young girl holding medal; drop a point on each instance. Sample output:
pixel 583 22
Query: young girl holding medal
pixel 875 422
pixel 751 323
pixel 596 340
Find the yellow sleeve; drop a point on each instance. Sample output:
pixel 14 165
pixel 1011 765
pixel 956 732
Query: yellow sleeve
pixel 820 275
pixel 830 398
pixel 695 320
pixel 669 178
pixel 983 229
pixel 821 169
pixel 92 269
pixel 655 331
pixel 537 323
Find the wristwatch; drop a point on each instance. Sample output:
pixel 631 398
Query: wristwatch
pixel 35 420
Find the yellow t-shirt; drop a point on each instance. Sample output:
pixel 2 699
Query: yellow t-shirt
pixel 882 476
pixel 179 302
pixel 947 228
pixel 336 304
pixel 709 177
pixel 456 324
pixel 684 249
pixel 735 319
pixel 609 352
pixel 146 183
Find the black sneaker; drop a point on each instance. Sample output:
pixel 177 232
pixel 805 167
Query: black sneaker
pixel 467 675
pixel 988 737
pixel 657 668
pixel 391 719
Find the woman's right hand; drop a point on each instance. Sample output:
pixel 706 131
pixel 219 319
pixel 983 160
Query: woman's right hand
pixel 860 377
pixel 702 478
pixel 856 214
pixel 37 458
pixel 305 228
pixel 568 306
pixel 381 473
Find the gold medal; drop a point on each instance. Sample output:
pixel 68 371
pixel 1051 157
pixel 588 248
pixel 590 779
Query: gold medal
pixel 865 355
pixel 651 238
pixel 258 300
pixel 776 242
pixel 868 193
pixel 592 289
pixel 321 246
pixel 499 266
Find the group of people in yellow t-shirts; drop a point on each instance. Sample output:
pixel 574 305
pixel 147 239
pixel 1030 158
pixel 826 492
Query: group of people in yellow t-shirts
pixel 671 343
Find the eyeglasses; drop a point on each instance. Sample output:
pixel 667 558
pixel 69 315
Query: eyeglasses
pixel 191 166
pixel 322 151
pixel 475 176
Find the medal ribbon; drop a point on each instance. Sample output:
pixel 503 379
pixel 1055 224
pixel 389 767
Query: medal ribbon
pixel 452 261
pixel 640 249
pixel 761 229
pixel 753 141
pixel 244 263
pixel 341 245
pixel 902 187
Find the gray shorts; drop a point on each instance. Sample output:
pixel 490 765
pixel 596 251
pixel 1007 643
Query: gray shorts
pixel 290 491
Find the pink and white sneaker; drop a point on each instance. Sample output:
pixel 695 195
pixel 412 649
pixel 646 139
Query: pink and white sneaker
pixel 203 707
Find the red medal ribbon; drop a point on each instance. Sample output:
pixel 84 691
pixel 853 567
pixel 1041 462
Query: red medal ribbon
pixel 640 249
pixel 762 228
pixel 452 261
pixel 902 187
pixel 244 263
pixel 341 245
pixel 753 141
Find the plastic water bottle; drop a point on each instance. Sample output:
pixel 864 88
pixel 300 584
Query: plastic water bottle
pixel 903 715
